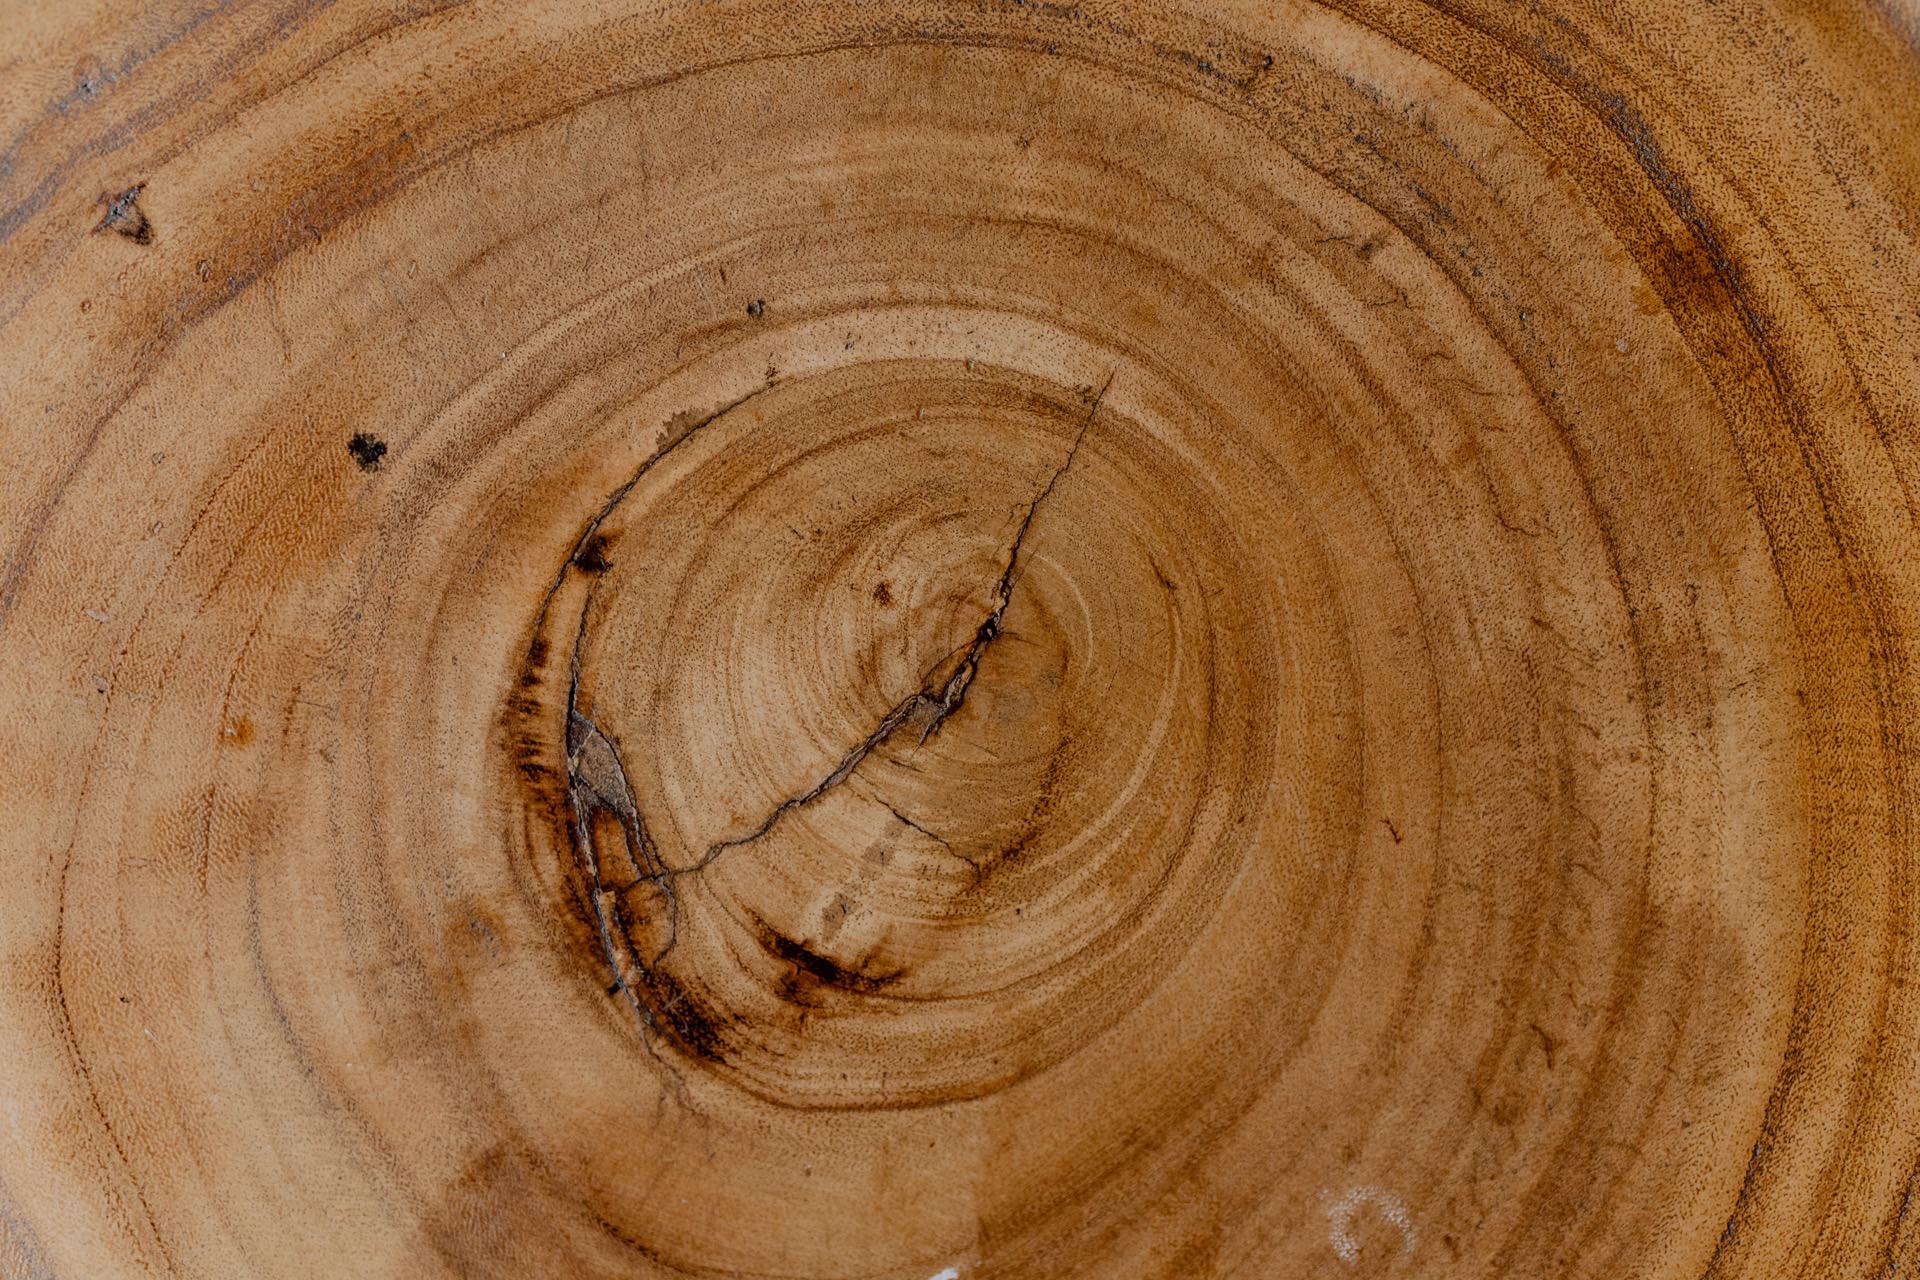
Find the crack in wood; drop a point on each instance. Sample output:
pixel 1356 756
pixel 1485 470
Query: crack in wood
pixel 597 779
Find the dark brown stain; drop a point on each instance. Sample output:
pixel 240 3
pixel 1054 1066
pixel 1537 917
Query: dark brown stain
pixel 809 973
pixel 1547 1043
pixel 678 1017
pixel 882 595
pixel 494 1219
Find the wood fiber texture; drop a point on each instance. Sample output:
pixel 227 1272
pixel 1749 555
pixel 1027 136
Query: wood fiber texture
pixel 988 640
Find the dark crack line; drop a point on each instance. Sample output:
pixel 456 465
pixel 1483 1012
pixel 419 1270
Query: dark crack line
pixel 848 763
pixel 920 701
pixel 596 783
pixel 591 788
pixel 956 690
pixel 619 495
pixel 594 768
pixel 931 835
pixel 597 780
pixel 599 893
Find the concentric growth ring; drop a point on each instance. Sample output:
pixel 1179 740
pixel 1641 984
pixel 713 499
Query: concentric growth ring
pixel 996 640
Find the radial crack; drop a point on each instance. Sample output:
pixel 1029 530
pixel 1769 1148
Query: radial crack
pixel 955 691
pixel 922 701
pixel 597 780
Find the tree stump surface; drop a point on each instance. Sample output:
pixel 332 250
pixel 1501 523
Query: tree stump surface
pixel 880 640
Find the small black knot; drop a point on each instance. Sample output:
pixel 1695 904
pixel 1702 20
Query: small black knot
pixel 125 215
pixel 757 308
pixel 366 450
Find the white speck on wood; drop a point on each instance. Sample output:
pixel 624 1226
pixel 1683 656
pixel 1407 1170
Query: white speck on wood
pixel 1340 1220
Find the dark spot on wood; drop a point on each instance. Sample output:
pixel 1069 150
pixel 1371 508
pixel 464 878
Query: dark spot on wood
pixel 592 555
pixel 757 308
pixel 809 972
pixel 882 594
pixel 125 216
pixel 366 450
pixel 1547 1044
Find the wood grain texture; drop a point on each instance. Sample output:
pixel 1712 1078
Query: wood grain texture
pixel 992 639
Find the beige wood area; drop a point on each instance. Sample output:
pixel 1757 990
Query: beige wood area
pixel 965 640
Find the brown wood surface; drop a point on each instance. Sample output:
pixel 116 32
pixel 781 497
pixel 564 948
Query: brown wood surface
pixel 989 639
